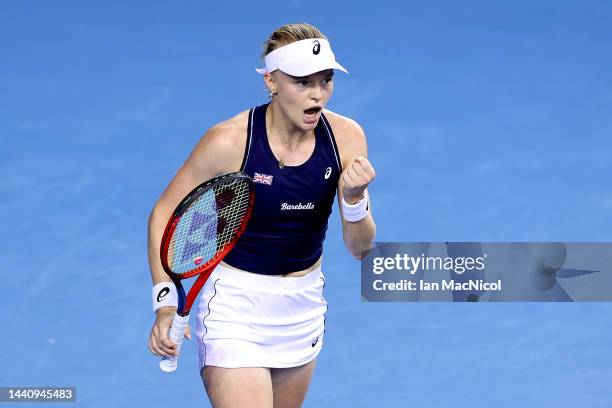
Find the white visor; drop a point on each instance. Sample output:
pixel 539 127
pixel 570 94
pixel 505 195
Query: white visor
pixel 302 58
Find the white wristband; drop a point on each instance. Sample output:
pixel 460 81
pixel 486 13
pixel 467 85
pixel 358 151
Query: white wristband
pixel 355 212
pixel 164 294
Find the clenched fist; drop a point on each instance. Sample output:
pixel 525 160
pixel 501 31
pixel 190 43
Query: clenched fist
pixel 356 178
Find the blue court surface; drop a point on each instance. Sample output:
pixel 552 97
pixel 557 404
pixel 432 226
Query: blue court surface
pixel 486 121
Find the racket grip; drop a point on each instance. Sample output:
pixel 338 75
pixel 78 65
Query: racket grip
pixel 176 334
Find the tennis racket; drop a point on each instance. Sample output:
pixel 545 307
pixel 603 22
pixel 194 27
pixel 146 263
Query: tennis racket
pixel 204 227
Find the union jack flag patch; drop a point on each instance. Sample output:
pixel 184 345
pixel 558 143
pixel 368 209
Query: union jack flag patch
pixel 263 178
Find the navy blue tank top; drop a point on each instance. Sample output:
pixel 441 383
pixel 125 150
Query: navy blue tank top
pixel 292 204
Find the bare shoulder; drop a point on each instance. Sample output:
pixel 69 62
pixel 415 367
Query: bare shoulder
pixel 223 144
pixel 219 151
pixel 234 126
pixel 229 136
pixel 349 135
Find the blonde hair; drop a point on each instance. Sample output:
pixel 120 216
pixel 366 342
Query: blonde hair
pixel 288 34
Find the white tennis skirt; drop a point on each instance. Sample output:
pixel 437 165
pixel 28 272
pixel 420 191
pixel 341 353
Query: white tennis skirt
pixel 252 320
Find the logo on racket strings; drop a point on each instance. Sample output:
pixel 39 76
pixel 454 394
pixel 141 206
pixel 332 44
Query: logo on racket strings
pixel 198 260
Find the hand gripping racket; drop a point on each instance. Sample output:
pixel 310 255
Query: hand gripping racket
pixel 201 231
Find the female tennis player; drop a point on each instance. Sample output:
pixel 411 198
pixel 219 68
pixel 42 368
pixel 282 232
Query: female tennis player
pixel 260 319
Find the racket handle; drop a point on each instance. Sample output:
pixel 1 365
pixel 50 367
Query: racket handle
pixel 176 334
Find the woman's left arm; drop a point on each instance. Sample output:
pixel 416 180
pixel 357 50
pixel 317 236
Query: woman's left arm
pixel 356 175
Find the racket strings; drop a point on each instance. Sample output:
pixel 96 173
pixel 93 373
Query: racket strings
pixel 208 225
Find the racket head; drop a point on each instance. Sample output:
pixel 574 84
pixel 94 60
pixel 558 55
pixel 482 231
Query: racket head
pixel 206 225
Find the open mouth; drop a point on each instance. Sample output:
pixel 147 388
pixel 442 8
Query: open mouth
pixel 310 114
pixel 313 110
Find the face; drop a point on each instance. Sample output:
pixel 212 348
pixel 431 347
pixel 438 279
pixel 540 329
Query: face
pixel 302 99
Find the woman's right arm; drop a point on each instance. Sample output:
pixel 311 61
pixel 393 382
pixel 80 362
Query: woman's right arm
pixel 219 151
